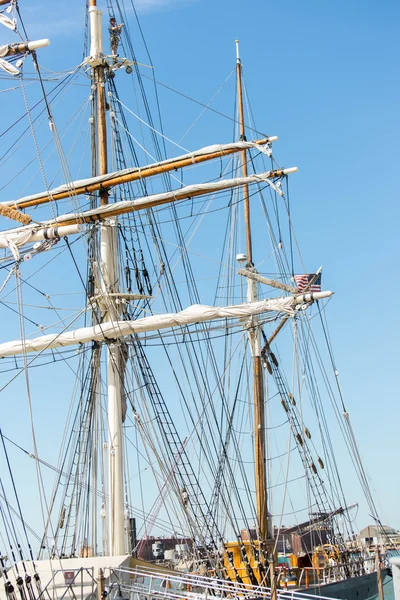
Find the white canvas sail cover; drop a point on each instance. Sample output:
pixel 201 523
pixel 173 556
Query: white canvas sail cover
pixel 70 221
pixel 15 239
pixel 7 22
pixel 4 50
pixel 8 67
pixel 198 313
pixel 107 180
pixel 156 199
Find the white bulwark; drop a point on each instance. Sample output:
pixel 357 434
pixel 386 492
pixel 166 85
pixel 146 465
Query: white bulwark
pixel 395 563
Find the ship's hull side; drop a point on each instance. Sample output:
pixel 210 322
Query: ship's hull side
pixel 364 587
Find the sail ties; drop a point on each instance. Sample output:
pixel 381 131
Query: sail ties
pixel 5 50
pixel 7 22
pixel 267 148
pixel 43 237
pixel 9 243
pixel 279 173
pixel 8 67
pixel 10 274
pixel 44 241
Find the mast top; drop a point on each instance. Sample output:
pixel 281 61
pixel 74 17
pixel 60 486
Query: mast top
pixel 96 58
pixel 237 52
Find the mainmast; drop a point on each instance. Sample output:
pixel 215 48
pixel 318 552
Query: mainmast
pixel 254 337
pixel 108 282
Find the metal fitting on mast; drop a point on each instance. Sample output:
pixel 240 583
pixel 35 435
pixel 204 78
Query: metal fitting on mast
pixel 237 52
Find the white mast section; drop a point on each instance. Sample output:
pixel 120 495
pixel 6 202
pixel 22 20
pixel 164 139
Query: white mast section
pixel 115 379
pixel 96 36
pixel 109 286
pixel 198 313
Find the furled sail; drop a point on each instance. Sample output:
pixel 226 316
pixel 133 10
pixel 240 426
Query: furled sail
pixel 92 184
pixel 8 67
pixel 196 313
pixel 35 232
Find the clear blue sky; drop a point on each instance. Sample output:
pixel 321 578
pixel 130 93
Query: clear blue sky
pixel 324 78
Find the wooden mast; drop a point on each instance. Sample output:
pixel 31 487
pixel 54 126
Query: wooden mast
pixel 98 80
pixel 108 279
pixel 264 535
pixel 258 384
pixel 246 201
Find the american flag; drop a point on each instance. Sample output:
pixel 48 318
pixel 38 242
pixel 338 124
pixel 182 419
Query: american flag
pixel 302 282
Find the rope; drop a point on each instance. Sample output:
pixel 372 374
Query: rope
pixel 151 127
pixel 14 214
pixel 52 203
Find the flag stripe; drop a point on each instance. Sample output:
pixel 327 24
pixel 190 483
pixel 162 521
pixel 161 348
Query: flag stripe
pixel 303 282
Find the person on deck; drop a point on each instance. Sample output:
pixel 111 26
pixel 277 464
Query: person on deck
pixel 115 34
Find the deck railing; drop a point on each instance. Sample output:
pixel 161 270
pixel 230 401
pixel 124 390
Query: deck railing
pixel 149 585
pixel 338 572
pixel 143 583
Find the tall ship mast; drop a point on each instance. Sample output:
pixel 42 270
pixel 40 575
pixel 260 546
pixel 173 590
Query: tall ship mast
pixel 108 283
pixel 179 385
pixel 264 535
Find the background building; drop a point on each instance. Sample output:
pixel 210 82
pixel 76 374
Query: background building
pixel 373 535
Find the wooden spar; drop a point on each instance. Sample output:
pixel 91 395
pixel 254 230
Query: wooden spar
pixel 126 206
pixel 276 284
pixel 191 315
pixel 277 330
pixel 246 202
pixel 70 223
pixel 23 47
pixel 135 175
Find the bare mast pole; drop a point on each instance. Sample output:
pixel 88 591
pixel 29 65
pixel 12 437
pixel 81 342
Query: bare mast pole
pixel 246 201
pixel 254 336
pixel 108 276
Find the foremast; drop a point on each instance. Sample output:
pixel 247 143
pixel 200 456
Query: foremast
pixel 107 277
pixel 255 346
